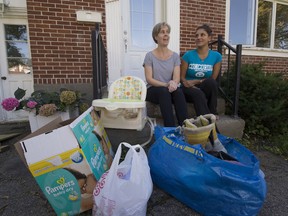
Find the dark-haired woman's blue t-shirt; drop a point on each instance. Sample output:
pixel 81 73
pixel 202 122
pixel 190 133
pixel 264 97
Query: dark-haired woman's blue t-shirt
pixel 198 68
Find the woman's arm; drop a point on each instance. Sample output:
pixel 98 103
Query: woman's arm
pixel 176 74
pixel 216 70
pixel 173 84
pixel 150 80
pixel 184 67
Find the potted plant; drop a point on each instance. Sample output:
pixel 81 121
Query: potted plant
pixel 44 106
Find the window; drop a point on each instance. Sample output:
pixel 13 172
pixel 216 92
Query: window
pixel 242 19
pixel 271 28
pixel 264 24
pixel 142 21
pixel 281 27
pixel 17 49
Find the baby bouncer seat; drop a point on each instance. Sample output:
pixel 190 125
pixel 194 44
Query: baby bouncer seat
pixel 125 107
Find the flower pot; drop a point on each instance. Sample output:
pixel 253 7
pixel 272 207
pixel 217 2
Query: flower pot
pixel 37 121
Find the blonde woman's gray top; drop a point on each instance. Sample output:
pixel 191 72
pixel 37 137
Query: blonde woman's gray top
pixel 162 69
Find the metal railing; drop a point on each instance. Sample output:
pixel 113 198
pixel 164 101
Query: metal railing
pixel 99 56
pixel 228 51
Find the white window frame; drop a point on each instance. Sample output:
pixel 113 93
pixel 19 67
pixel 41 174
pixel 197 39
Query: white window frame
pixel 252 49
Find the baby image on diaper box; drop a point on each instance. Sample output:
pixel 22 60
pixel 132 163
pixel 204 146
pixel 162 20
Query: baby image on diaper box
pixel 94 141
pixel 67 182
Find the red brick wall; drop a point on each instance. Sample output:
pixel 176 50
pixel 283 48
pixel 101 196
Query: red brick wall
pixel 271 64
pixel 60 45
pixel 194 13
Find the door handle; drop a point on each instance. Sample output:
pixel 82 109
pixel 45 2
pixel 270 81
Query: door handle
pixel 125 44
pixel 3 78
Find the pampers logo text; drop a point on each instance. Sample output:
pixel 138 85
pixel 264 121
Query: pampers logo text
pixel 61 188
pixel 85 127
pixel 94 161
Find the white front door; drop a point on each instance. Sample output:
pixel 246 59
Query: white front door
pixel 138 20
pixel 15 62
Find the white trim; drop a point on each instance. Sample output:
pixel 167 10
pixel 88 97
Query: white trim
pixel 114 36
pixel 173 19
pixel 256 23
pixel 281 1
pixel 14 12
pixel 253 27
pixel 265 52
pixel 227 19
pixel 273 22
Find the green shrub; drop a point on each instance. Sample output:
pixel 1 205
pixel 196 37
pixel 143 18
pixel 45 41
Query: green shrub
pixel 263 101
pixel 280 144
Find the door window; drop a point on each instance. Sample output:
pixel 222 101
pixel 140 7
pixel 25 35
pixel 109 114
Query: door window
pixel 17 49
pixel 142 19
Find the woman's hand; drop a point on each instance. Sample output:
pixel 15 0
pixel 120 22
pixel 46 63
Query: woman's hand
pixel 191 83
pixel 172 86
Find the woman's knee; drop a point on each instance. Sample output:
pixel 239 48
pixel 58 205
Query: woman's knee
pixel 156 93
pixel 210 83
pixel 163 94
pixel 195 94
pixel 178 93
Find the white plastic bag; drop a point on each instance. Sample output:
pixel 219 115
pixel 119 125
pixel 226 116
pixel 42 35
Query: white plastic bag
pixel 125 189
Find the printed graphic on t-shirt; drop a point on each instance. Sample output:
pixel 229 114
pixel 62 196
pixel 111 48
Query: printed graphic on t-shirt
pixel 200 69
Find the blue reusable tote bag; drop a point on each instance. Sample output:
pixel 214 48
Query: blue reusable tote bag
pixel 208 185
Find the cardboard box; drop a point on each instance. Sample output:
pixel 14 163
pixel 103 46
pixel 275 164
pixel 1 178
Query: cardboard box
pixel 66 160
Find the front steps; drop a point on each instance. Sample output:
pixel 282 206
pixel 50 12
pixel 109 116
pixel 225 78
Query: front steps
pixel 227 125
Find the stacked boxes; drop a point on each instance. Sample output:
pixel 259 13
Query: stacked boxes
pixel 66 159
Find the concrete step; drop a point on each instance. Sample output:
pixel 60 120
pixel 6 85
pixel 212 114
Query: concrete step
pixel 153 110
pixel 10 127
pixel 231 126
pixel 227 125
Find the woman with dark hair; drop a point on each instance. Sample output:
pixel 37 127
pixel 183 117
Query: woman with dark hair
pixel 162 72
pixel 199 71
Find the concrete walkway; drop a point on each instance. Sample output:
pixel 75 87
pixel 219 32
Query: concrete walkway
pixel 20 195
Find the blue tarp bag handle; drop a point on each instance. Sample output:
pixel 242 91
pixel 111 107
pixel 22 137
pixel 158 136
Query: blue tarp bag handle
pixel 174 138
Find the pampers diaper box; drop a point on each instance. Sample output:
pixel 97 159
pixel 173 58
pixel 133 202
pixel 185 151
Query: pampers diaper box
pixel 67 159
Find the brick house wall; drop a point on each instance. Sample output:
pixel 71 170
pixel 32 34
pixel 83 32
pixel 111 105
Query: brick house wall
pixel 213 12
pixel 60 45
pixel 271 64
pixel 194 13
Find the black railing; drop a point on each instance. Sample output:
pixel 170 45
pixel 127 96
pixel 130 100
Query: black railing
pixel 237 52
pixel 99 63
